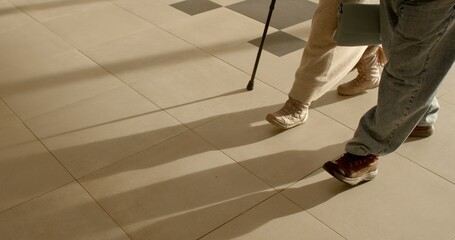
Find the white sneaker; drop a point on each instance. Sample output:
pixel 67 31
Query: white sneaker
pixel 292 114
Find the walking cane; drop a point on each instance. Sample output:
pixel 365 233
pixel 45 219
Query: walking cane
pixel 250 85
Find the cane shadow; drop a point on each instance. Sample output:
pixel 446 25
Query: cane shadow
pixel 235 92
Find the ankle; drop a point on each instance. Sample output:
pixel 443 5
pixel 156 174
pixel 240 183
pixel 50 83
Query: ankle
pixel 298 103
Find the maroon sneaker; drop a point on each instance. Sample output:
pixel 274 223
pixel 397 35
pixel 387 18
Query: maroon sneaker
pixel 353 169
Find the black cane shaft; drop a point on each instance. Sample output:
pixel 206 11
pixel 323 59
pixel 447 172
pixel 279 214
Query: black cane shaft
pixel 261 45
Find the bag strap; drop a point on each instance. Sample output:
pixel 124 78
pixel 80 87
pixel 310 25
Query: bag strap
pixel 340 6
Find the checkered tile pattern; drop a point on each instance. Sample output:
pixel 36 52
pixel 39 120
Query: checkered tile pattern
pixel 286 13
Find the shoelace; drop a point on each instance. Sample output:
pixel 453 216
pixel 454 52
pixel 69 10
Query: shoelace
pixel 291 107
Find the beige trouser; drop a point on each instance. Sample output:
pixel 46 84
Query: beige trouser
pixel 323 63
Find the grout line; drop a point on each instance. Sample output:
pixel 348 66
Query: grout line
pixel 200 48
pixel 37 138
pixel 234 161
pixel 425 168
pixel 238 215
pixel 192 130
pixel 107 213
pixel 21 10
pixel 445 101
pixel 45 147
pixel 135 153
pixel 319 220
pixel 35 197
pixel 65 184
pixel 80 100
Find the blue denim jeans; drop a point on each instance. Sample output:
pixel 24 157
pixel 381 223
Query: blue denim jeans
pixel 419 40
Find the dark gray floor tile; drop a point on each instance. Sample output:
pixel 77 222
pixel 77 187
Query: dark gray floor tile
pixel 193 7
pixel 285 14
pixel 280 43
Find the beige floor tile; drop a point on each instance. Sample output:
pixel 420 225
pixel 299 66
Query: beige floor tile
pixel 11 17
pixel 157 12
pixel 54 82
pixel 66 213
pixel 435 152
pixel 96 25
pixel 153 178
pixel 141 55
pixel 98 131
pixel 279 72
pixel 199 80
pixel 155 52
pixel 449 97
pixel 217 29
pixel 234 103
pixel 275 71
pixel 346 109
pixel 278 157
pixel 448 87
pixel 180 189
pixel 6 116
pixel 403 202
pixel 168 71
pixel 226 34
pixel 301 30
pixel 28 44
pixel 43 10
pixel 27 169
pixel 242 55
pixel 276 218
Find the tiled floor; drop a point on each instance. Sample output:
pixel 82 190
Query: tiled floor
pixel 129 119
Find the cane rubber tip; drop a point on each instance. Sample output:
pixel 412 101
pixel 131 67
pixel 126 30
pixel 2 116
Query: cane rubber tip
pixel 250 86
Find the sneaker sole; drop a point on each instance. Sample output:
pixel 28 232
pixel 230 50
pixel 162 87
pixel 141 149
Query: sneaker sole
pixel 272 120
pixel 351 181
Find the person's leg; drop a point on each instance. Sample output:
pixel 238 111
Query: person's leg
pixel 323 63
pixel 369 70
pixel 425 126
pixel 419 39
